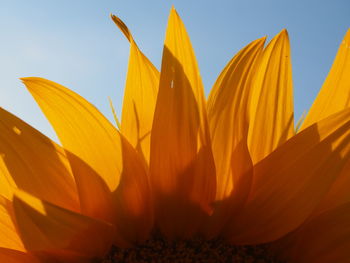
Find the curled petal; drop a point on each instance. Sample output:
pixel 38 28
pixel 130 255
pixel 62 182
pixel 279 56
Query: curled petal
pixel 139 97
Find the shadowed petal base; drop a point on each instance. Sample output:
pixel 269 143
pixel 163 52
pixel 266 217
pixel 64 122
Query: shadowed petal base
pixel 158 249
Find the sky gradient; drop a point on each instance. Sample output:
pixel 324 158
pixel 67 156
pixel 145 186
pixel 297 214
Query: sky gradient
pixel 76 44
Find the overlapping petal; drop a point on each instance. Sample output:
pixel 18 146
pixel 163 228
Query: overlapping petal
pixel 291 181
pixel 140 96
pixel 15 256
pixel 324 239
pixel 334 95
pixel 271 114
pixel 109 187
pixel 181 163
pixel 34 163
pixel 54 233
pixel 9 238
pixel 228 122
pixel 230 167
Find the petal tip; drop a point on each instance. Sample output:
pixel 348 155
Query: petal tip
pixel 283 33
pixel 121 25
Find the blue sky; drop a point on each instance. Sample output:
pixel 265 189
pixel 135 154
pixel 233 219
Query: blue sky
pixel 76 44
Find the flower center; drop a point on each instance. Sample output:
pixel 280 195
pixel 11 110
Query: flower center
pixel 194 250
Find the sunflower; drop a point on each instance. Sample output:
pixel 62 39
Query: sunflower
pixel 183 178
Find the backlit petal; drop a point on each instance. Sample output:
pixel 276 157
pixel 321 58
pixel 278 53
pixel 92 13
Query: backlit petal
pixel 181 164
pixel 9 237
pixel 34 163
pixel 100 159
pixel 325 239
pixel 335 93
pixel 47 229
pixel 291 181
pixel 271 113
pixel 139 97
pixel 227 114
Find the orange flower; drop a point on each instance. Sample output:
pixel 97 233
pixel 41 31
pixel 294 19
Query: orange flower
pixel 232 166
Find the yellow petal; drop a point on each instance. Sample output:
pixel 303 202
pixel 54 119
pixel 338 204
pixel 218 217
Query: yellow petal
pixel 335 93
pixel 325 239
pixel 6 182
pixel 181 163
pixel 99 157
pixel 227 114
pixel 132 199
pixel 114 113
pixel 9 237
pixel 81 128
pixel 15 256
pixel 48 229
pixel 122 27
pixel 271 114
pixel 291 181
pixel 34 163
pixel 139 98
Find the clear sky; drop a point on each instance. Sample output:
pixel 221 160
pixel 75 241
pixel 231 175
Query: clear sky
pixel 74 43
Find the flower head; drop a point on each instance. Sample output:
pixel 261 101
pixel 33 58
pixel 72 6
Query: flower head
pixel 231 166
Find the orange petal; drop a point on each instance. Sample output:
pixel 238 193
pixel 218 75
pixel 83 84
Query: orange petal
pixel 228 123
pixel 335 93
pixel 338 194
pixel 291 181
pixel 227 113
pixel 325 239
pixel 48 229
pixel 9 237
pixel 34 163
pixel 139 98
pixel 271 114
pixel 99 158
pixel 181 162
pixel 6 182
pixel 15 256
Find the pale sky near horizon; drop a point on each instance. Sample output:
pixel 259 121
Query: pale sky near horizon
pixel 76 44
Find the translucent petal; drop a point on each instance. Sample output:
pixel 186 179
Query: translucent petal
pixel 181 164
pixel 284 195
pixel 335 93
pixel 34 163
pixel 9 237
pixel 100 159
pixel 271 114
pixel 227 114
pixel 48 229
pixel 139 97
